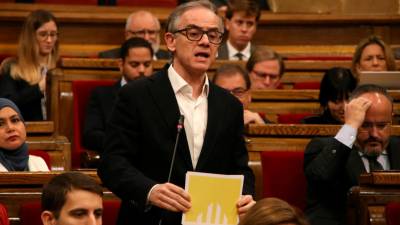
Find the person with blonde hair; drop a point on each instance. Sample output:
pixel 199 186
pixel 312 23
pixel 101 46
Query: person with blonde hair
pixel 273 211
pixel 23 79
pixel 372 54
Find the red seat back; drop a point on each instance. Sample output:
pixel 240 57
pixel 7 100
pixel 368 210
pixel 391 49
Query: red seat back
pixel 30 212
pixel 392 211
pixel 82 90
pixel 283 176
pixel 292 118
pixel 44 155
pixel 3 215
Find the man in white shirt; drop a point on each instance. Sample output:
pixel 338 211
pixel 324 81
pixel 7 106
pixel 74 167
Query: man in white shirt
pixel 241 22
pixel 142 130
pixel 363 144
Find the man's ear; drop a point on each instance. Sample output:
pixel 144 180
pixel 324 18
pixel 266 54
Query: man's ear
pixel 48 218
pixel 170 41
pixel 120 65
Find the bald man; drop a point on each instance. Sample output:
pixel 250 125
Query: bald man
pixel 145 25
pixel 363 144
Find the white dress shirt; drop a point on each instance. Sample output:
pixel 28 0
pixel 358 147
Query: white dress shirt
pixel 194 110
pixel 347 135
pixel 232 51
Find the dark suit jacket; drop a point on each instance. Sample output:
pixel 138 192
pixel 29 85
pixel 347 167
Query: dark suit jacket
pixel 27 97
pixel 98 111
pixel 331 169
pixel 115 53
pixel 140 140
pixel 223 51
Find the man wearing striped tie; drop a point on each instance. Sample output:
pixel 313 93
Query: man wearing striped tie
pixel 363 144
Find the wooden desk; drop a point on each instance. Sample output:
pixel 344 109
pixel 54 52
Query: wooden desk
pixel 20 187
pixel 367 202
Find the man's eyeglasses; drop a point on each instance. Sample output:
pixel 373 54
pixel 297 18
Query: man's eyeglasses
pixel 262 75
pixel 43 35
pixel 142 33
pixel 196 33
pixel 367 126
pixel 238 92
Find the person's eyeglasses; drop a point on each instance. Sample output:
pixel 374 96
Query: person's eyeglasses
pixel 142 33
pixel 262 75
pixel 238 92
pixel 43 35
pixel 367 126
pixel 196 33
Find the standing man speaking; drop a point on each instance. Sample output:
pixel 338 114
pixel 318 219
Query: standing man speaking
pixel 141 133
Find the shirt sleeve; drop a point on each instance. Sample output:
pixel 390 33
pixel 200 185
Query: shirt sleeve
pixel 347 135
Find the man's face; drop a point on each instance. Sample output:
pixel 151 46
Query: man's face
pixel 137 64
pixel 241 29
pixel 265 75
pixel 373 135
pixel 372 59
pixel 193 57
pixel 143 25
pixel 81 207
pixel 236 85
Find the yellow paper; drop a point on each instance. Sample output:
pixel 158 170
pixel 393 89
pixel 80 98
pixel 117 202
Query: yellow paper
pixel 213 198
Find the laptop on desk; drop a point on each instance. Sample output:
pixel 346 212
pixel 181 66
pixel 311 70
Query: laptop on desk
pixel 387 79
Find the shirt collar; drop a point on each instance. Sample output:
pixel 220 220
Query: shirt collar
pixel 123 81
pixel 232 50
pixel 178 83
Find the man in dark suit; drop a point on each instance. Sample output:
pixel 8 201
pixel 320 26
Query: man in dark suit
pixel 142 129
pixel 135 62
pixel 241 22
pixel 363 144
pixel 145 25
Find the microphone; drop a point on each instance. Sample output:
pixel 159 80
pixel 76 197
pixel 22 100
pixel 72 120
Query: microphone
pixel 179 128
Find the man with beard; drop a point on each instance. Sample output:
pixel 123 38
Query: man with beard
pixel 135 62
pixel 363 144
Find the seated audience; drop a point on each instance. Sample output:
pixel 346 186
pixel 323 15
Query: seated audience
pixel 235 79
pixel 145 25
pixel 273 211
pixel 14 154
pixel 364 143
pixel 241 23
pixel 135 62
pixel 24 79
pixel 336 86
pixel 266 68
pixel 72 198
pixel 372 54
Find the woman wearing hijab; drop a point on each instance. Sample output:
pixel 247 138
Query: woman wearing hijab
pixel 14 155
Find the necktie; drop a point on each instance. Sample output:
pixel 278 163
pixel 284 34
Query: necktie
pixel 239 55
pixel 373 163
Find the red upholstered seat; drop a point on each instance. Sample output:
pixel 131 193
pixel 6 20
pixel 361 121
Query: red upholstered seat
pixel 3 215
pixel 392 211
pixel 283 176
pixel 44 155
pixel 292 118
pixel 307 85
pixel 152 3
pixel 30 212
pixel 68 2
pixel 82 90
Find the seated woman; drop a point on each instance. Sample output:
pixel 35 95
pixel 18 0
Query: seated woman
pixel 336 86
pixel 13 148
pixel 23 79
pixel 273 211
pixel 372 54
